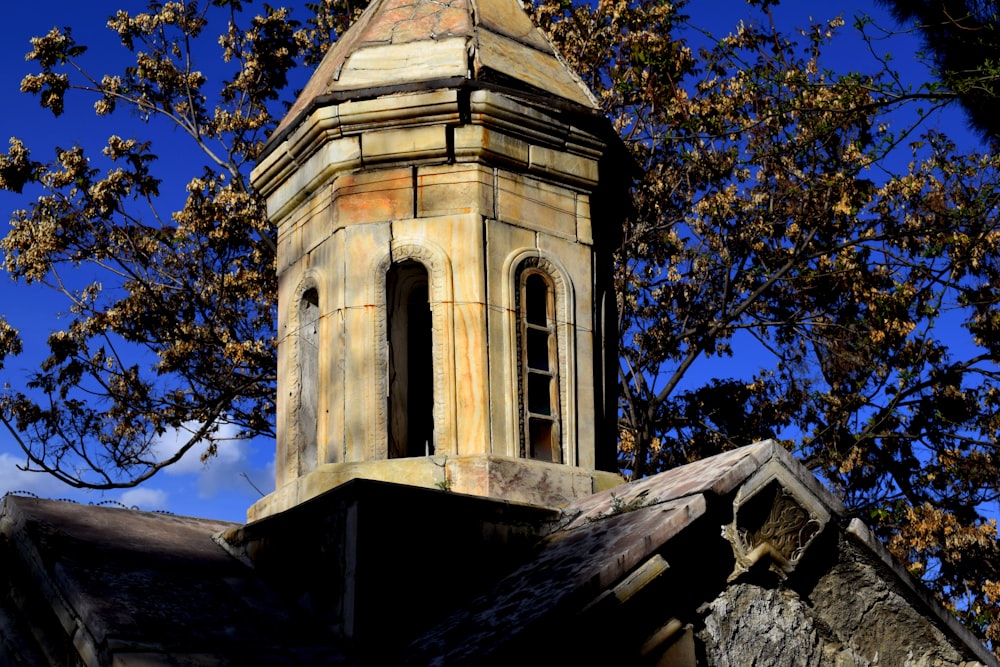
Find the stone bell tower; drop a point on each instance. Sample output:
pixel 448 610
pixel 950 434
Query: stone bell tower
pixel 446 194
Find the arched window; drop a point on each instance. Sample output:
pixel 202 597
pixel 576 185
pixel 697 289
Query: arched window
pixel 308 408
pixel 410 376
pixel 538 362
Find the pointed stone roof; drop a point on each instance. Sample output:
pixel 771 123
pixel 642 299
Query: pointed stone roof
pixel 406 42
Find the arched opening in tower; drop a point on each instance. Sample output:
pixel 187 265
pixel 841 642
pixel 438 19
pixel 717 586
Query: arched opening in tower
pixel 308 408
pixel 410 372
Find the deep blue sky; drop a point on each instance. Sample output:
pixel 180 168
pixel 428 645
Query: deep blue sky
pixel 219 490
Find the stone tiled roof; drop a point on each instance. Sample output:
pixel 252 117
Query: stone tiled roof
pixel 135 588
pixel 717 475
pixel 571 565
pixel 400 42
pixel 601 539
pixel 142 588
pixel 607 539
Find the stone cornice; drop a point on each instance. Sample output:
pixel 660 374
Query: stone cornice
pixel 437 126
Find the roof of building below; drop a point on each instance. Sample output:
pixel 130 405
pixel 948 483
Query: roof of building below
pixel 609 546
pixel 472 580
pixel 140 586
pixel 405 42
pixel 601 539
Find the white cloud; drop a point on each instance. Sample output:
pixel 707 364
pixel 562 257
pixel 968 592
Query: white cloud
pixel 14 480
pixel 145 498
pixel 167 445
pixel 227 470
pixel 43 485
pixel 222 487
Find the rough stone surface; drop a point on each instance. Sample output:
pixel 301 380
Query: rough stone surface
pixel 874 617
pixel 854 616
pixel 748 625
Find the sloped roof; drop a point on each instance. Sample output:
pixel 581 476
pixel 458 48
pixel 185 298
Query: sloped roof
pixel 137 587
pixel 130 588
pixel 616 530
pixel 399 42
pixel 607 538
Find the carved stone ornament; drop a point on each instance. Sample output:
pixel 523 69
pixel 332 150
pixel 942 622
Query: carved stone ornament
pixel 775 519
pixel 441 296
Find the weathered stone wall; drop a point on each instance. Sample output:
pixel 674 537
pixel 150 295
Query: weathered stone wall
pixel 751 625
pixel 853 615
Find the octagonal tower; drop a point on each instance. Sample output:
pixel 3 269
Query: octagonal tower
pixel 447 196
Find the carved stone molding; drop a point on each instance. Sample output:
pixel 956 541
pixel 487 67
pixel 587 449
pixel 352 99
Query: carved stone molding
pixel 775 520
pixel 565 297
pixel 296 439
pixel 441 295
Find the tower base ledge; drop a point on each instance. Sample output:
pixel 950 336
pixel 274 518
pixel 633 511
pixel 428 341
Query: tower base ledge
pixel 499 477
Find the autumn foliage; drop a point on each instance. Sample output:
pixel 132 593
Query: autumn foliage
pixel 788 214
